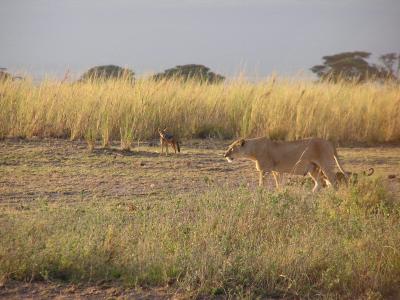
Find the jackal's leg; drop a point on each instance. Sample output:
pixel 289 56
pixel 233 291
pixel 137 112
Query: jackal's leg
pixel 162 146
pixel 173 146
pixel 166 148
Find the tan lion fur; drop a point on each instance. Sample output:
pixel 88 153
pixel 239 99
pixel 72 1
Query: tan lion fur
pixel 296 158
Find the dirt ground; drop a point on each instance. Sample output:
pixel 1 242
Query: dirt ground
pixel 40 290
pixel 60 170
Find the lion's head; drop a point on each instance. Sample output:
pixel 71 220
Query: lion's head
pixel 235 150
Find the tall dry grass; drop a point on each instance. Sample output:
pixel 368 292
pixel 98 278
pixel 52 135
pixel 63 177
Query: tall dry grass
pixel 282 108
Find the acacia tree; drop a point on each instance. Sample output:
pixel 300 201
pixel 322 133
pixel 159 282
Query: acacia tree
pixel 349 66
pixel 191 72
pixel 4 75
pixel 107 72
pixel 390 67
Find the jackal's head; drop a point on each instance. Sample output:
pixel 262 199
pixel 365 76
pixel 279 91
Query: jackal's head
pixel 162 132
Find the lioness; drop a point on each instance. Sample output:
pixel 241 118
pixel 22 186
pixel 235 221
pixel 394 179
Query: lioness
pixel 297 158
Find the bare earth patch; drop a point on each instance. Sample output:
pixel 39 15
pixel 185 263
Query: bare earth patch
pixel 40 290
pixel 59 170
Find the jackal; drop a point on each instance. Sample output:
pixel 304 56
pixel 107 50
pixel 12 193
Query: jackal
pixel 167 138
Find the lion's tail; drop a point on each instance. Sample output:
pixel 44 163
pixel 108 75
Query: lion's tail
pixel 370 172
pixel 335 156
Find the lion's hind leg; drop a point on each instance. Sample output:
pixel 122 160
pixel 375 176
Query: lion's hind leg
pixel 330 176
pixel 316 177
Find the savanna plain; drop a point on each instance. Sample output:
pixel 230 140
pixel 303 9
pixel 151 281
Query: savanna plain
pixel 89 208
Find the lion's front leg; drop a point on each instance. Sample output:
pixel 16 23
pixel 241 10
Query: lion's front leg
pixel 261 178
pixel 263 169
pixel 278 179
pixel 262 175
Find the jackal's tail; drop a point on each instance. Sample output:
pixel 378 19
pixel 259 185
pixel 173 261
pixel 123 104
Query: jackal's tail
pixel 177 146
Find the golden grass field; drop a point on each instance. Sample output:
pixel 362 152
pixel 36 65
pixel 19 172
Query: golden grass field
pixel 111 222
pixel 279 108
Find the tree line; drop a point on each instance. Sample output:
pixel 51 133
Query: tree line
pixel 185 72
pixel 345 66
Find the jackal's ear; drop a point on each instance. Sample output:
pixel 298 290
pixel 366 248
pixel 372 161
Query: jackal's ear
pixel 242 142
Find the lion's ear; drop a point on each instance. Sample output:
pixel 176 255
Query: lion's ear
pixel 242 142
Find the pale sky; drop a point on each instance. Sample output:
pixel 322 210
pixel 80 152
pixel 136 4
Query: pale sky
pixel 257 37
